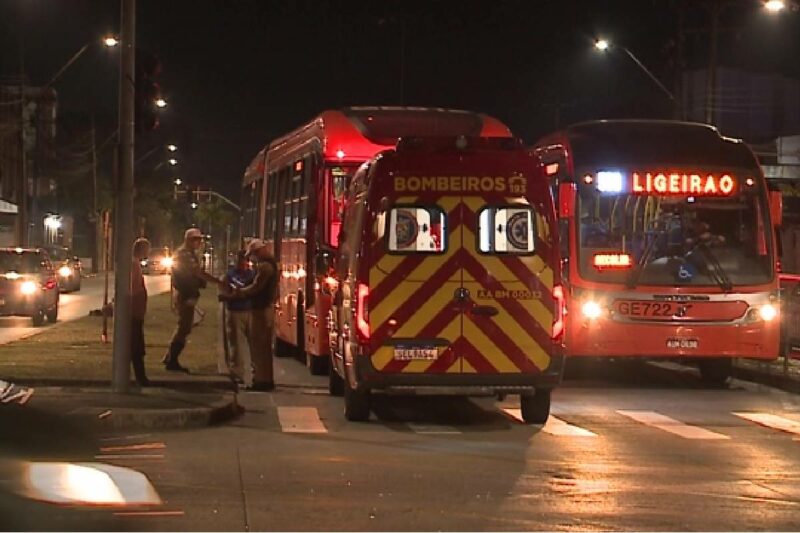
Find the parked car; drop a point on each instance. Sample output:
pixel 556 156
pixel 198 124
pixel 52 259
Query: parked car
pixel 28 285
pixel 158 262
pixel 69 270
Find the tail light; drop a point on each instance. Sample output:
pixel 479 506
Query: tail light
pixel 558 317
pixel 362 311
pixel 50 284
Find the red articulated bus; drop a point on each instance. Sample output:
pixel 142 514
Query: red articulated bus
pixel 293 198
pixel 668 247
pixel 447 277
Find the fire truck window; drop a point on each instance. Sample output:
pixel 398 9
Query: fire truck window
pixel 339 181
pixel 509 230
pixel 417 230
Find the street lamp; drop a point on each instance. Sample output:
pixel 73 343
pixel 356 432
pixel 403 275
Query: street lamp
pixel 178 181
pixel 161 103
pixel 194 205
pixel 172 148
pixel 774 6
pixel 110 41
pixel 603 46
pixel 172 161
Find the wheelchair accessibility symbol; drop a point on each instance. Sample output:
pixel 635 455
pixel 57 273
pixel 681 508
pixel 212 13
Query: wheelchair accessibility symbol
pixel 685 272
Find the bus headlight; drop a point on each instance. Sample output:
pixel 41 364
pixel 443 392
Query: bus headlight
pixel 28 287
pixel 767 312
pixel 65 271
pixel 591 310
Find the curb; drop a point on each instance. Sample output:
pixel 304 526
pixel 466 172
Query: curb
pixel 771 379
pixel 179 418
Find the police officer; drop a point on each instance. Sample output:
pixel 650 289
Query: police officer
pixel 261 292
pixel 188 277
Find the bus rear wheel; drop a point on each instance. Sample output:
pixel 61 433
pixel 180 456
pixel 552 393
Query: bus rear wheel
pixel 716 371
pixel 356 403
pixel 535 407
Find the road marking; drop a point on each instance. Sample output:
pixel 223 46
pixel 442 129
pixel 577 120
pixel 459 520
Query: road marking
pixel 300 420
pixel 132 447
pixel 554 426
pixel 433 429
pixel 107 457
pixel 149 513
pixel 772 421
pixel 126 437
pixel 663 422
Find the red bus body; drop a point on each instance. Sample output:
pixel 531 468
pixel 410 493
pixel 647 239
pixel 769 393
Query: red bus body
pixel 293 198
pixel 697 201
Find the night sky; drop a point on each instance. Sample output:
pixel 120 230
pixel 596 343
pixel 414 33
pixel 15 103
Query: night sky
pixel 238 73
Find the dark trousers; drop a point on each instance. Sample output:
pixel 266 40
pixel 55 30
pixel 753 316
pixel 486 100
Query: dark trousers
pixel 137 349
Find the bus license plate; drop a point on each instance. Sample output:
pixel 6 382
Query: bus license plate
pixel 683 344
pixel 647 309
pixel 417 353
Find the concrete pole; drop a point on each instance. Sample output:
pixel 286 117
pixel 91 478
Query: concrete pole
pixel 124 213
pixel 98 223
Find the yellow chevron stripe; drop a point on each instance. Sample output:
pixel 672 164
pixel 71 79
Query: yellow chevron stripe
pixel 474 203
pixel 382 357
pixel 501 272
pixel 432 307
pixel 386 265
pixel 487 348
pixel 467 368
pixel 455 368
pixel 424 271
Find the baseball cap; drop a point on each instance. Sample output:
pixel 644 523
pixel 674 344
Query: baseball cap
pixel 192 233
pixel 255 245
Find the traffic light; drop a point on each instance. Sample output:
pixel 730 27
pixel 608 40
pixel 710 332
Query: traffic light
pixel 148 67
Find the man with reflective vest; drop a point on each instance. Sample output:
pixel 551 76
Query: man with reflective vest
pixel 188 277
pixel 261 292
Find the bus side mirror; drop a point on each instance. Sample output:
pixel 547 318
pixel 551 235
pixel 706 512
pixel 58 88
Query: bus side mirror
pixel 566 199
pixel 776 207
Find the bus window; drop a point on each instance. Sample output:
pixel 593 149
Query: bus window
pixel 416 229
pixel 339 181
pixel 272 207
pixel 506 230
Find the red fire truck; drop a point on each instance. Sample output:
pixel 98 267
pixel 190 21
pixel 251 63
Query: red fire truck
pixel 447 277
pixel 293 198
pixel 668 248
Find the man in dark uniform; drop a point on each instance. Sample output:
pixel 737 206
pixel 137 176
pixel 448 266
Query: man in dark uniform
pixel 188 277
pixel 261 292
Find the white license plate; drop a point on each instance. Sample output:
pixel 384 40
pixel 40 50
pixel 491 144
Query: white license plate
pixel 683 344
pixel 415 354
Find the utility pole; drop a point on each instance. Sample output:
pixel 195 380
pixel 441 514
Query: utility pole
pixel 98 224
pixel 124 212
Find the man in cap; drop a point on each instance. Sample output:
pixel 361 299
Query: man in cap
pixel 261 292
pixel 188 277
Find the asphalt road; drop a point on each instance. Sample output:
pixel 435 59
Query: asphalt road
pixel 74 305
pixel 629 448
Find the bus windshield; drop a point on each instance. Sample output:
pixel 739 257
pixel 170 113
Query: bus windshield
pixel 644 238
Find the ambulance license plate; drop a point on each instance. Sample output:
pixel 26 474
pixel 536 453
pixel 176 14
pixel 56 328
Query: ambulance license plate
pixel 415 353
pixel 682 344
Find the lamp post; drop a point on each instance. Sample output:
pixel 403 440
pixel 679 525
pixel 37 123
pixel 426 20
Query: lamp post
pixel 603 45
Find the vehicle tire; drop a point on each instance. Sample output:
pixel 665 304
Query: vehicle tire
pixel 52 315
pixel 356 404
pixel 335 381
pixel 78 285
pixel 716 371
pixel 535 407
pixel 38 318
pixel 317 364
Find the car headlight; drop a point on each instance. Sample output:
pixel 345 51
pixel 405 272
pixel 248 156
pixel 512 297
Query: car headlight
pixel 166 262
pixel 143 262
pixel 28 287
pixel 65 271
pixel 591 310
pixel 767 312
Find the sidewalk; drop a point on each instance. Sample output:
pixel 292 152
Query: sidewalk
pixel 70 369
pixel 782 373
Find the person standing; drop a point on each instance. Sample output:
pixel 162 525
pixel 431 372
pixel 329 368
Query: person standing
pixel 237 321
pixel 261 292
pixel 141 249
pixel 188 277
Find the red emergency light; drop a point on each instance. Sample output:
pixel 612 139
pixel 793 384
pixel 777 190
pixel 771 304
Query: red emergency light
pixel 683 183
pixel 612 260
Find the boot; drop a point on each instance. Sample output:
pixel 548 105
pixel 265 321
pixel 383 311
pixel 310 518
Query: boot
pixel 138 372
pixel 171 358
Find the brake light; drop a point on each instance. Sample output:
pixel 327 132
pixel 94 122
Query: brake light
pixel 362 311
pixel 558 317
pixel 50 284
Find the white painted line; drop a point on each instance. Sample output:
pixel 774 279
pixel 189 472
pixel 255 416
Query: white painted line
pixel 430 429
pixel 107 457
pixel 772 421
pixel 300 420
pixel 554 426
pixel 670 425
pixel 134 447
